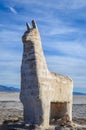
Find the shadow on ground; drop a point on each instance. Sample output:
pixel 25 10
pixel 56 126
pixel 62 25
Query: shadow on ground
pixel 19 125
pixel 16 126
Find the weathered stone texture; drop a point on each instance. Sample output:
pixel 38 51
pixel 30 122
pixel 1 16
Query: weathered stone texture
pixel 44 95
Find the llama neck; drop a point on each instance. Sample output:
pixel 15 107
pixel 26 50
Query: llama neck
pixel 33 54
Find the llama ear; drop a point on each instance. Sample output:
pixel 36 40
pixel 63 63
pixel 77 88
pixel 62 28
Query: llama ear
pixel 34 24
pixel 28 27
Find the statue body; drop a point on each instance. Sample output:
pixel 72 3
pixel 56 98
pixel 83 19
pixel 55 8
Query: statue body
pixel 43 93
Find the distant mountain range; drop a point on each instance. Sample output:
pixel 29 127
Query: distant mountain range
pixel 78 93
pixel 8 89
pixel 12 89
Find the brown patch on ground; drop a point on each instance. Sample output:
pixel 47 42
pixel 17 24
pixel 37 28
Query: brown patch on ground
pixel 80 121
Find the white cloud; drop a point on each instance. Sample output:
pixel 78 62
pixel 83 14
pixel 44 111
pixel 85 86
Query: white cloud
pixel 64 4
pixel 69 48
pixel 10 60
pixel 11 78
pixel 12 10
pixel 75 4
pixel 10 63
pixel 57 28
pixel 50 23
pixel 9 35
pixel 73 67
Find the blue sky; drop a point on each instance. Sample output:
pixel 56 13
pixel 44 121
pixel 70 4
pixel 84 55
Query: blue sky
pixel 62 25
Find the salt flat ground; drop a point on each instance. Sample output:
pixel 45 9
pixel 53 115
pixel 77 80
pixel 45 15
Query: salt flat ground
pixel 11 107
pixel 14 96
pixel 79 99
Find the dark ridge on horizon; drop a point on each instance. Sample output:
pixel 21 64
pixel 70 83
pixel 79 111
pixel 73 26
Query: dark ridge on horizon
pixel 78 93
pixel 8 89
pixel 4 88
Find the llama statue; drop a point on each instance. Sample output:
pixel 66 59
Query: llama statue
pixel 45 96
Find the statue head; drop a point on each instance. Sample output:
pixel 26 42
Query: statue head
pixel 31 33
